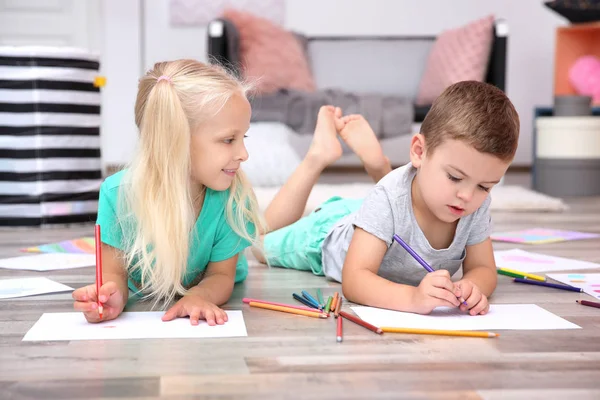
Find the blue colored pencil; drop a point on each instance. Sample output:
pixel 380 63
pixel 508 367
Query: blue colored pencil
pixel 304 301
pixel 419 259
pixel 308 297
pixel 548 284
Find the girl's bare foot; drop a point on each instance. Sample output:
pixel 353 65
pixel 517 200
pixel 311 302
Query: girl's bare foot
pixel 325 147
pixel 359 136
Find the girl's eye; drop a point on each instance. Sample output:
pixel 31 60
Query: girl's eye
pixel 453 178
pixel 228 141
pixel 485 189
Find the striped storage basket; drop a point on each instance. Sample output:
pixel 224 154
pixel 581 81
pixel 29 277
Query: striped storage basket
pixel 50 166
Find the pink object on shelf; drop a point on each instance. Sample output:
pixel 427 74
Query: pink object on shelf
pixel 584 75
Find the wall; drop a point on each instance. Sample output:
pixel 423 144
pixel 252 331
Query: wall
pixel 121 64
pixel 530 55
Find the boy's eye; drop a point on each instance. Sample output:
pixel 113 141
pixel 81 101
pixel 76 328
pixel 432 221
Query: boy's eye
pixel 453 178
pixel 485 189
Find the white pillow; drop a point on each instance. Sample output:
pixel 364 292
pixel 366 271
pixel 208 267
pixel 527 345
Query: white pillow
pixel 272 159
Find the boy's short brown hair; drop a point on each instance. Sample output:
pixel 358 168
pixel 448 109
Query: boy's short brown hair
pixel 477 113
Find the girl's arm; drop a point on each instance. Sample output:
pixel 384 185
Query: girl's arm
pixel 217 284
pixel 202 301
pixel 361 284
pixel 113 293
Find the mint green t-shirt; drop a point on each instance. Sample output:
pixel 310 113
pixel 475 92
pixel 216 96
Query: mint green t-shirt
pixel 212 237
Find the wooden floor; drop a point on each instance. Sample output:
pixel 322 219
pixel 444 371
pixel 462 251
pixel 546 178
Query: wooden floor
pixel 289 357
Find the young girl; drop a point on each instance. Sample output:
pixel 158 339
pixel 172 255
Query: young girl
pixel 176 222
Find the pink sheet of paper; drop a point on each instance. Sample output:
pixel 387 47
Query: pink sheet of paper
pixel 541 235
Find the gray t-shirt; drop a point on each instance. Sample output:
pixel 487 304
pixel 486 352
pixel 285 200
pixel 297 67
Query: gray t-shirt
pixel 388 210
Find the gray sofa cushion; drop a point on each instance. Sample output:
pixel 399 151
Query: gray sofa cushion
pixel 384 66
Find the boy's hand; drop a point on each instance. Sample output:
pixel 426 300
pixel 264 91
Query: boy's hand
pixel 477 301
pixel 86 300
pixel 435 290
pixel 197 308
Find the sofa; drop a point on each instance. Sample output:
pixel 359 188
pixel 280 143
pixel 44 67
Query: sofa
pixel 385 56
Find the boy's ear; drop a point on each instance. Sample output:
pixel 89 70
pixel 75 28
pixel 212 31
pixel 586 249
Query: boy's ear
pixel 417 150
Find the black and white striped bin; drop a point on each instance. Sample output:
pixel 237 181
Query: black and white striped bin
pixel 50 165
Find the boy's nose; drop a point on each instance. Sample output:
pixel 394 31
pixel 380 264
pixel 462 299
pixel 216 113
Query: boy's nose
pixel 465 194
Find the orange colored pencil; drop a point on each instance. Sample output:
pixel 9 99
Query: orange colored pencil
pixel 338 307
pixel 360 322
pixel 248 300
pixel 272 307
pixel 336 295
pixel 440 332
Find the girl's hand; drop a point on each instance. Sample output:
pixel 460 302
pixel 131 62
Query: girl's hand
pixel 435 290
pixel 86 300
pixel 197 308
pixel 477 301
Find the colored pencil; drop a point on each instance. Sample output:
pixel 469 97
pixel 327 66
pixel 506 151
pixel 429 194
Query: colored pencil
pixel 336 295
pixel 338 307
pixel 360 322
pixel 328 305
pixel 521 274
pixel 420 260
pixel 547 284
pixel 98 238
pixel 339 334
pixel 314 314
pixel 501 272
pixel 248 300
pixel 308 297
pixel 320 297
pixel 588 303
pixel 305 302
pixel 440 332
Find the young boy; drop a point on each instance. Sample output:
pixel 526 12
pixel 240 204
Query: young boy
pixel 438 204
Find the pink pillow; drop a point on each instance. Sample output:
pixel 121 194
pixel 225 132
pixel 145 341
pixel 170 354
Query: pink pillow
pixel 585 77
pixel 270 54
pixel 459 54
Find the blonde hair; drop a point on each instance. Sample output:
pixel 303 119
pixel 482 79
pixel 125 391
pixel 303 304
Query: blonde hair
pixel 173 99
pixel 479 114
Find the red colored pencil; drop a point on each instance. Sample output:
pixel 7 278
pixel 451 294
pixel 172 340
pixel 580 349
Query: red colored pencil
pixel 360 322
pixel 98 268
pixel 248 300
pixel 340 335
pixel 588 303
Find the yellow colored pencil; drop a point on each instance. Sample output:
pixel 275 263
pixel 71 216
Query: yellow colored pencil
pixel 525 274
pixel 313 314
pixel 440 332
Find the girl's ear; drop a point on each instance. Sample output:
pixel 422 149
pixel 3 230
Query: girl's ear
pixel 417 150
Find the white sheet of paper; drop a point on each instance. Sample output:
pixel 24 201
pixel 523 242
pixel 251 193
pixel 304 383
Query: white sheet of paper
pixel 21 287
pixel 130 325
pixel 49 261
pixel 500 316
pixel 526 261
pixel 590 283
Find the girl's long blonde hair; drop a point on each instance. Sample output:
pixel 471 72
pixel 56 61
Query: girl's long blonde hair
pixel 158 209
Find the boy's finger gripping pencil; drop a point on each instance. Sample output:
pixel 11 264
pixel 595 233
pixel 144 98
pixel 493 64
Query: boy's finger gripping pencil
pixel 420 260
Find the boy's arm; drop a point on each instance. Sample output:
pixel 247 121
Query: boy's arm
pixel 479 267
pixel 360 282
